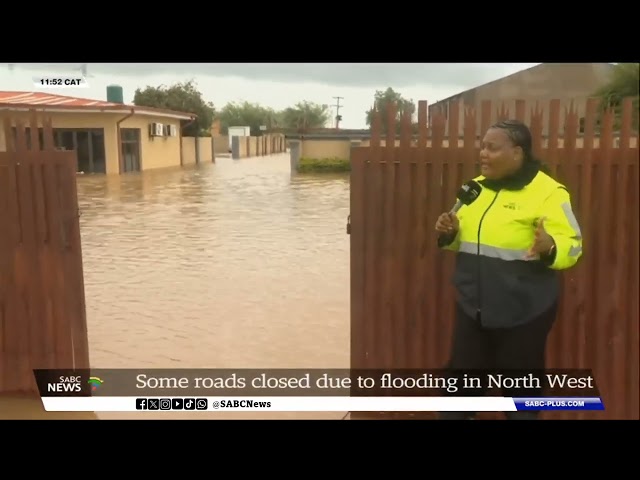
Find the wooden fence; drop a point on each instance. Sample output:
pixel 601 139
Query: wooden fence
pixel 42 303
pixel 401 298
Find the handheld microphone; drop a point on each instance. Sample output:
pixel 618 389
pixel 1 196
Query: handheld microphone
pixel 468 193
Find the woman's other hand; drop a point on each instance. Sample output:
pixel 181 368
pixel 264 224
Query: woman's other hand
pixel 543 242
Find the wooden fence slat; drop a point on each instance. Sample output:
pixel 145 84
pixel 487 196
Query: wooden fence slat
pixel 503 112
pixel 536 128
pixel 485 117
pixel 376 127
pixel 9 140
pixel 471 145
pixel 521 110
pixel 390 132
pixel 422 125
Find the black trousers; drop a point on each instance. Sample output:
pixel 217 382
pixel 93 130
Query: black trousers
pixel 518 349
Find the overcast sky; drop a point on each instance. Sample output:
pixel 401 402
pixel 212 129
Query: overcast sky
pixel 276 85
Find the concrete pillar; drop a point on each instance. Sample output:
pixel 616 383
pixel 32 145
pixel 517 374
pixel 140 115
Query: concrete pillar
pixel 213 148
pixel 235 147
pixel 355 144
pixel 295 150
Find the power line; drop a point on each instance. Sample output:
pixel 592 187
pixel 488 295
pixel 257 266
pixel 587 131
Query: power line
pixel 338 116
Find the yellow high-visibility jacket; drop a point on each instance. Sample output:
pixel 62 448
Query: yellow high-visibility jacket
pixel 493 277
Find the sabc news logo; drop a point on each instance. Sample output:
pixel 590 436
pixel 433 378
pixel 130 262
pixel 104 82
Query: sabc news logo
pixel 73 384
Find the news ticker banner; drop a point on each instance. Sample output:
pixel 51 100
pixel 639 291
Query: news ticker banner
pixel 104 390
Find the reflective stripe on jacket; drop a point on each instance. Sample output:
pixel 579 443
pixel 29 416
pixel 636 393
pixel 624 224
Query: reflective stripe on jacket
pixel 493 277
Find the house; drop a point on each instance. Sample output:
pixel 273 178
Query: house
pixel 544 82
pixel 110 137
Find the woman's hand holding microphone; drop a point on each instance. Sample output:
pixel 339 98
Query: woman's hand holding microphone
pixel 448 224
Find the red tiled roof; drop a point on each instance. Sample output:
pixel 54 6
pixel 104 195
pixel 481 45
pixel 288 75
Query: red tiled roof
pixel 48 101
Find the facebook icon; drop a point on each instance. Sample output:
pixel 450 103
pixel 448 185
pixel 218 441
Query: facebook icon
pixel 141 403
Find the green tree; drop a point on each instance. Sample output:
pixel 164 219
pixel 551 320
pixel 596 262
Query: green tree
pixel 304 115
pixel 246 114
pixel 624 82
pixel 181 97
pixel 382 99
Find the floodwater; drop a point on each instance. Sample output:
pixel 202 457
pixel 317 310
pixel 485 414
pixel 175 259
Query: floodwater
pixel 236 264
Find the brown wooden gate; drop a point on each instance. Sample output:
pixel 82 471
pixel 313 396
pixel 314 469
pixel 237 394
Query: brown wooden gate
pixel 42 303
pixel 401 298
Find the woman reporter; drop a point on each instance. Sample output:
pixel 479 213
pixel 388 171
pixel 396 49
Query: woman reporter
pixel 509 243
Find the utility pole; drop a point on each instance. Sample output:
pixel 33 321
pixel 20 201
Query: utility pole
pixel 338 116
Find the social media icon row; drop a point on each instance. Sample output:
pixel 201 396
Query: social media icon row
pixel 171 403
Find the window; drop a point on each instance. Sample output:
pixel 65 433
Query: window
pixel 130 135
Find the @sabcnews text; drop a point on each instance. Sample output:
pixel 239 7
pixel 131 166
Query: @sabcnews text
pixel 236 403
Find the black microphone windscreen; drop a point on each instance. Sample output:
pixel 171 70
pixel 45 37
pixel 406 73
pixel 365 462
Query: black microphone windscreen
pixel 469 192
